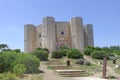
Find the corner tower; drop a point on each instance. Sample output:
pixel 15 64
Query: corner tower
pixel 49 33
pixel 77 36
pixel 29 37
pixel 88 35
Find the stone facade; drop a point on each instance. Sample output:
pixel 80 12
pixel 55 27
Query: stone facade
pixel 52 34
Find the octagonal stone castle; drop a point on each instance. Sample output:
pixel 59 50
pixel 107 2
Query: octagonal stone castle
pixel 53 34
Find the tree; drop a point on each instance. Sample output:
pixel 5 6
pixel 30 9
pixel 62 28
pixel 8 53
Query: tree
pixel 113 48
pixel 3 47
pixel 106 49
pixel 99 54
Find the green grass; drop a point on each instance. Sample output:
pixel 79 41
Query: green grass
pixel 50 67
pixel 8 76
pixel 117 71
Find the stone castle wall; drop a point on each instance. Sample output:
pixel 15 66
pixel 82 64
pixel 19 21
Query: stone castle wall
pixel 52 34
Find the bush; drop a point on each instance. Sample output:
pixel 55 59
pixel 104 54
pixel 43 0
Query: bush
pixel 57 54
pixel 31 62
pixel 44 49
pixel 87 63
pixel 17 50
pixel 88 51
pixel 6 59
pixel 64 51
pixel 116 52
pixel 74 53
pixel 9 59
pixel 42 55
pixel 64 47
pixel 80 61
pixel 99 54
pixel 19 69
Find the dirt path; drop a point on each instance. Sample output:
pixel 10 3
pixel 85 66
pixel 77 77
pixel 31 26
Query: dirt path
pixel 49 74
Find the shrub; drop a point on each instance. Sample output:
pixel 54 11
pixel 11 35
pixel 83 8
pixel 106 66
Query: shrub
pixel 64 51
pixel 74 53
pixel 42 55
pixel 87 63
pixel 116 52
pixel 39 49
pixel 90 47
pixel 99 54
pixel 31 62
pixel 17 50
pixel 19 69
pixel 64 47
pixel 88 51
pixel 56 54
pixel 6 59
pixel 80 61
pixel 44 49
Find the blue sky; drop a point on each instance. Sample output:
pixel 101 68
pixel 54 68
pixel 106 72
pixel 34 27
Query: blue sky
pixel 103 14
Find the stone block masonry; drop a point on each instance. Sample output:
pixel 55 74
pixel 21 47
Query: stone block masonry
pixel 53 34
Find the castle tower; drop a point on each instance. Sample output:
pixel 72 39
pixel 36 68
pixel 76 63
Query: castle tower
pixel 77 35
pixel 29 37
pixel 53 34
pixel 49 33
pixel 88 35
